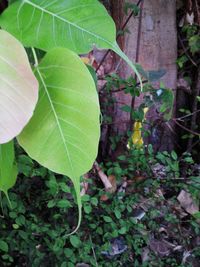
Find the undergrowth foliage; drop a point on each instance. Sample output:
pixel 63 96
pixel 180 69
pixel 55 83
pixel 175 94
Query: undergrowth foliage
pixel 32 233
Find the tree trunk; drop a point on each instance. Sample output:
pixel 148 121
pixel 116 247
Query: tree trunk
pixel 156 49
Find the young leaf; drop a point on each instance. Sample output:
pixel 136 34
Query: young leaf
pixel 64 131
pixel 76 24
pixel 3 246
pixel 18 88
pixel 75 241
pixel 8 169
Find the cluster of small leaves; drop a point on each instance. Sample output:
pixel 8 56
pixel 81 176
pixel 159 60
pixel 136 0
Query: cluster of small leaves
pixel 131 163
pixel 192 41
pixel 32 233
pixel 161 99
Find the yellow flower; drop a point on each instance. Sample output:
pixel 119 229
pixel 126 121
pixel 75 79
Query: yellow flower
pixel 137 132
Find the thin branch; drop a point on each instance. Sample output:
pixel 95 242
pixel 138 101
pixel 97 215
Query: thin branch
pixel 102 176
pixel 185 51
pixel 122 29
pixel 192 146
pixel 93 251
pixel 118 122
pixel 103 59
pixel 123 88
pixel 1 216
pixel 196 93
pixel 186 129
pixel 129 17
pixel 85 184
pixel 197 11
pixel 136 60
pixel 188 115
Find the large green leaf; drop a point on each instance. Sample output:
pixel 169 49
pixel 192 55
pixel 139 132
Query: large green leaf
pixel 8 169
pixel 76 24
pixel 18 88
pixel 64 131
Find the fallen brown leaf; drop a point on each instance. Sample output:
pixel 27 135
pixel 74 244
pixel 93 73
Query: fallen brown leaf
pixel 187 203
pixel 113 182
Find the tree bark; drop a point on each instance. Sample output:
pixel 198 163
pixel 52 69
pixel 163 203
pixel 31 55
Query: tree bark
pixel 157 50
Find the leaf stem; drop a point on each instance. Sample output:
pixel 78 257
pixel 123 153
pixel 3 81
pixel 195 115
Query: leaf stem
pixel 35 57
pixel 93 251
pixel 1 205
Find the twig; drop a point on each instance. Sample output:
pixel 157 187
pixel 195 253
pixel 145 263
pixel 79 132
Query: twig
pixel 1 216
pixel 93 251
pixel 173 132
pixel 123 88
pixel 136 60
pixel 102 176
pixel 122 29
pixel 195 105
pixel 188 115
pixel 102 60
pixel 85 185
pixel 118 122
pixel 186 129
pixel 185 51
pixel 197 11
pixel 192 145
pixel 129 17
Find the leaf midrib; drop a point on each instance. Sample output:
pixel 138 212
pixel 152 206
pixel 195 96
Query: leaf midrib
pixel 57 122
pixel 67 21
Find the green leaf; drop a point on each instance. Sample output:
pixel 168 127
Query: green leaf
pixel 51 204
pixel 166 97
pixel 107 219
pixel 174 155
pixel 8 168
pixel 64 132
pixel 63 203
pixel 93 73
pixel 76 24
pixel 133 7
pixel 155 75
pixel 194 43
pixel 18 88
pixel 3 246
pixel 123 230
pixel 196 215
pixel 87 209
pixel 75 241
pixel 117 214
pixel 25 165
pixel 15 226
pixel 94 201
pixel 126 108
pixel 58 245
pixel 68 252
pixel 11 1
pixel 70 264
